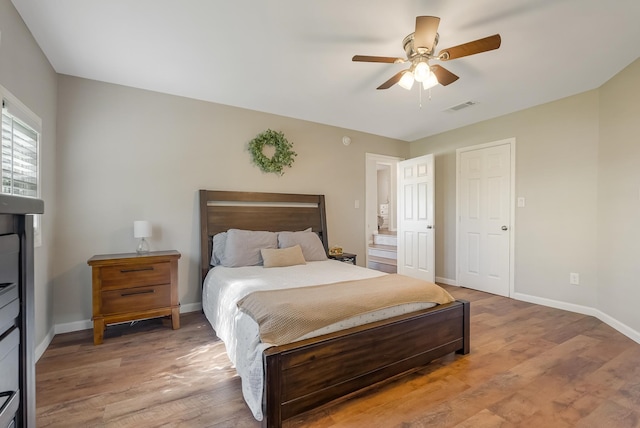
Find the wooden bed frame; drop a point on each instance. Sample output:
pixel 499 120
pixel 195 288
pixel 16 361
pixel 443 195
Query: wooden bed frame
pixel 307 374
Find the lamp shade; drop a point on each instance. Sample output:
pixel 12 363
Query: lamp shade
pixel 406 81
pixel 141 229
pixel 430 81
pixel 421 72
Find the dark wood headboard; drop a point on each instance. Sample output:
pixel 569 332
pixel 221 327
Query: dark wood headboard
pixel 274 212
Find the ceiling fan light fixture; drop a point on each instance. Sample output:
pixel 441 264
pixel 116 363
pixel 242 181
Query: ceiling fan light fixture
pixel 406 81
pixel 430 81
pixel 419 48
pixel 422 71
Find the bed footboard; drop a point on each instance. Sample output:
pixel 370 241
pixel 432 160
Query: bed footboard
pixel 307 374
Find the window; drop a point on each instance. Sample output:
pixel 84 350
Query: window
pixel 19 156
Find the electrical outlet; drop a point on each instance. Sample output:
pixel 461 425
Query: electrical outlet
pixel 574 278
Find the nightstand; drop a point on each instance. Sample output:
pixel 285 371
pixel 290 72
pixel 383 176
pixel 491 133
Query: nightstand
pixel 345 257
pixel 128 287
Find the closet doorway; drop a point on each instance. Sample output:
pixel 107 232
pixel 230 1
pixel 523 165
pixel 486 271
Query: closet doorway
pixel 485 213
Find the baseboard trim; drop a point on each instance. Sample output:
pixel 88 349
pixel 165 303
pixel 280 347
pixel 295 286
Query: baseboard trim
pixel 622 328
pixel 446 281
pixel 585 310
pixel 42 346
pixel 73 326
pixel 190 307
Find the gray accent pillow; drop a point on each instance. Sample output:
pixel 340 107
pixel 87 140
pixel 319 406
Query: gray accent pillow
pixel 219 241
pixel 311 245
pixel 243 247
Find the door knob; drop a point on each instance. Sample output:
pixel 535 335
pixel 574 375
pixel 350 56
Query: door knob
pixel 429 227
pixel 504 228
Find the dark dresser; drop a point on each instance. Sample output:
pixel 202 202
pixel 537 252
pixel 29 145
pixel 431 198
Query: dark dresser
pixel 17 364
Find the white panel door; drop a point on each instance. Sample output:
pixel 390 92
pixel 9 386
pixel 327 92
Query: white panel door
pixel 484 208
pixel 416 244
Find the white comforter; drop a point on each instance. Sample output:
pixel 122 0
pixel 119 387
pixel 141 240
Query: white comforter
pixel 224 287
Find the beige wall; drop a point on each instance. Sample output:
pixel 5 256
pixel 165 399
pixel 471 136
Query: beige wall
pixel 124 154
pixel 619 197
pixel 127 154
pixel 577 166
pixel 26 73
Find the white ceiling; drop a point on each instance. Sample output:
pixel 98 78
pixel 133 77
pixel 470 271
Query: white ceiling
pixel 293 57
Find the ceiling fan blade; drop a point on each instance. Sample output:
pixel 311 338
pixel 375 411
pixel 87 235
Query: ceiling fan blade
pixel 387 59
pixel 477 46
pixel 426 31
pixel 444 76
pixel 395 79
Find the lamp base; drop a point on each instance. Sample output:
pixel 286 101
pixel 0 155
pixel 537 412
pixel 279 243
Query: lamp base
pixel 143 247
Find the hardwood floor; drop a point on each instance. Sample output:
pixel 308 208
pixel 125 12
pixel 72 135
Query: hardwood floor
pixel 529 366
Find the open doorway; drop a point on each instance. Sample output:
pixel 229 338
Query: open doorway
pixel 381 210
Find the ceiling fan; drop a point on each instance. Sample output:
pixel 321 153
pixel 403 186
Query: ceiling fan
pixel 419 47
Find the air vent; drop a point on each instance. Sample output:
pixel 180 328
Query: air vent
pixel 461 106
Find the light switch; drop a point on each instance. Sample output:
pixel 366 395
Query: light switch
pixel 520 202
pixel 356 204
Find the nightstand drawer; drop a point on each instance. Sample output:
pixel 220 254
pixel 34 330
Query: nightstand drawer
pixel 123 276
pixel 139 298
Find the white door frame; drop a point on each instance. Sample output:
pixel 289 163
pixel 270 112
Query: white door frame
pixel 512 211
pixel 371 195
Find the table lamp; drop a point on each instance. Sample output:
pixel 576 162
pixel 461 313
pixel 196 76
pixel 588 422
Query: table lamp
pixel 142 229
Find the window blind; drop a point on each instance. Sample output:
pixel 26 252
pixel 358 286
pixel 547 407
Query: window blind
pixel 19 154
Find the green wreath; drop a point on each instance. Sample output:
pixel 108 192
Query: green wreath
pixel 281 158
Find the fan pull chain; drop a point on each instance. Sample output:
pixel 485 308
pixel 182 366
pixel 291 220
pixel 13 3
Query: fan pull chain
pixel 420 96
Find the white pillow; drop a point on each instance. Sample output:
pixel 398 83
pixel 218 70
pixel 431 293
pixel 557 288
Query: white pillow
pixel 242 247
pixel 311 245
pixel 282 257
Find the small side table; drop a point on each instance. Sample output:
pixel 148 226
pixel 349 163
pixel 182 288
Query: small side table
pixel 128 287
pixel 345 257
